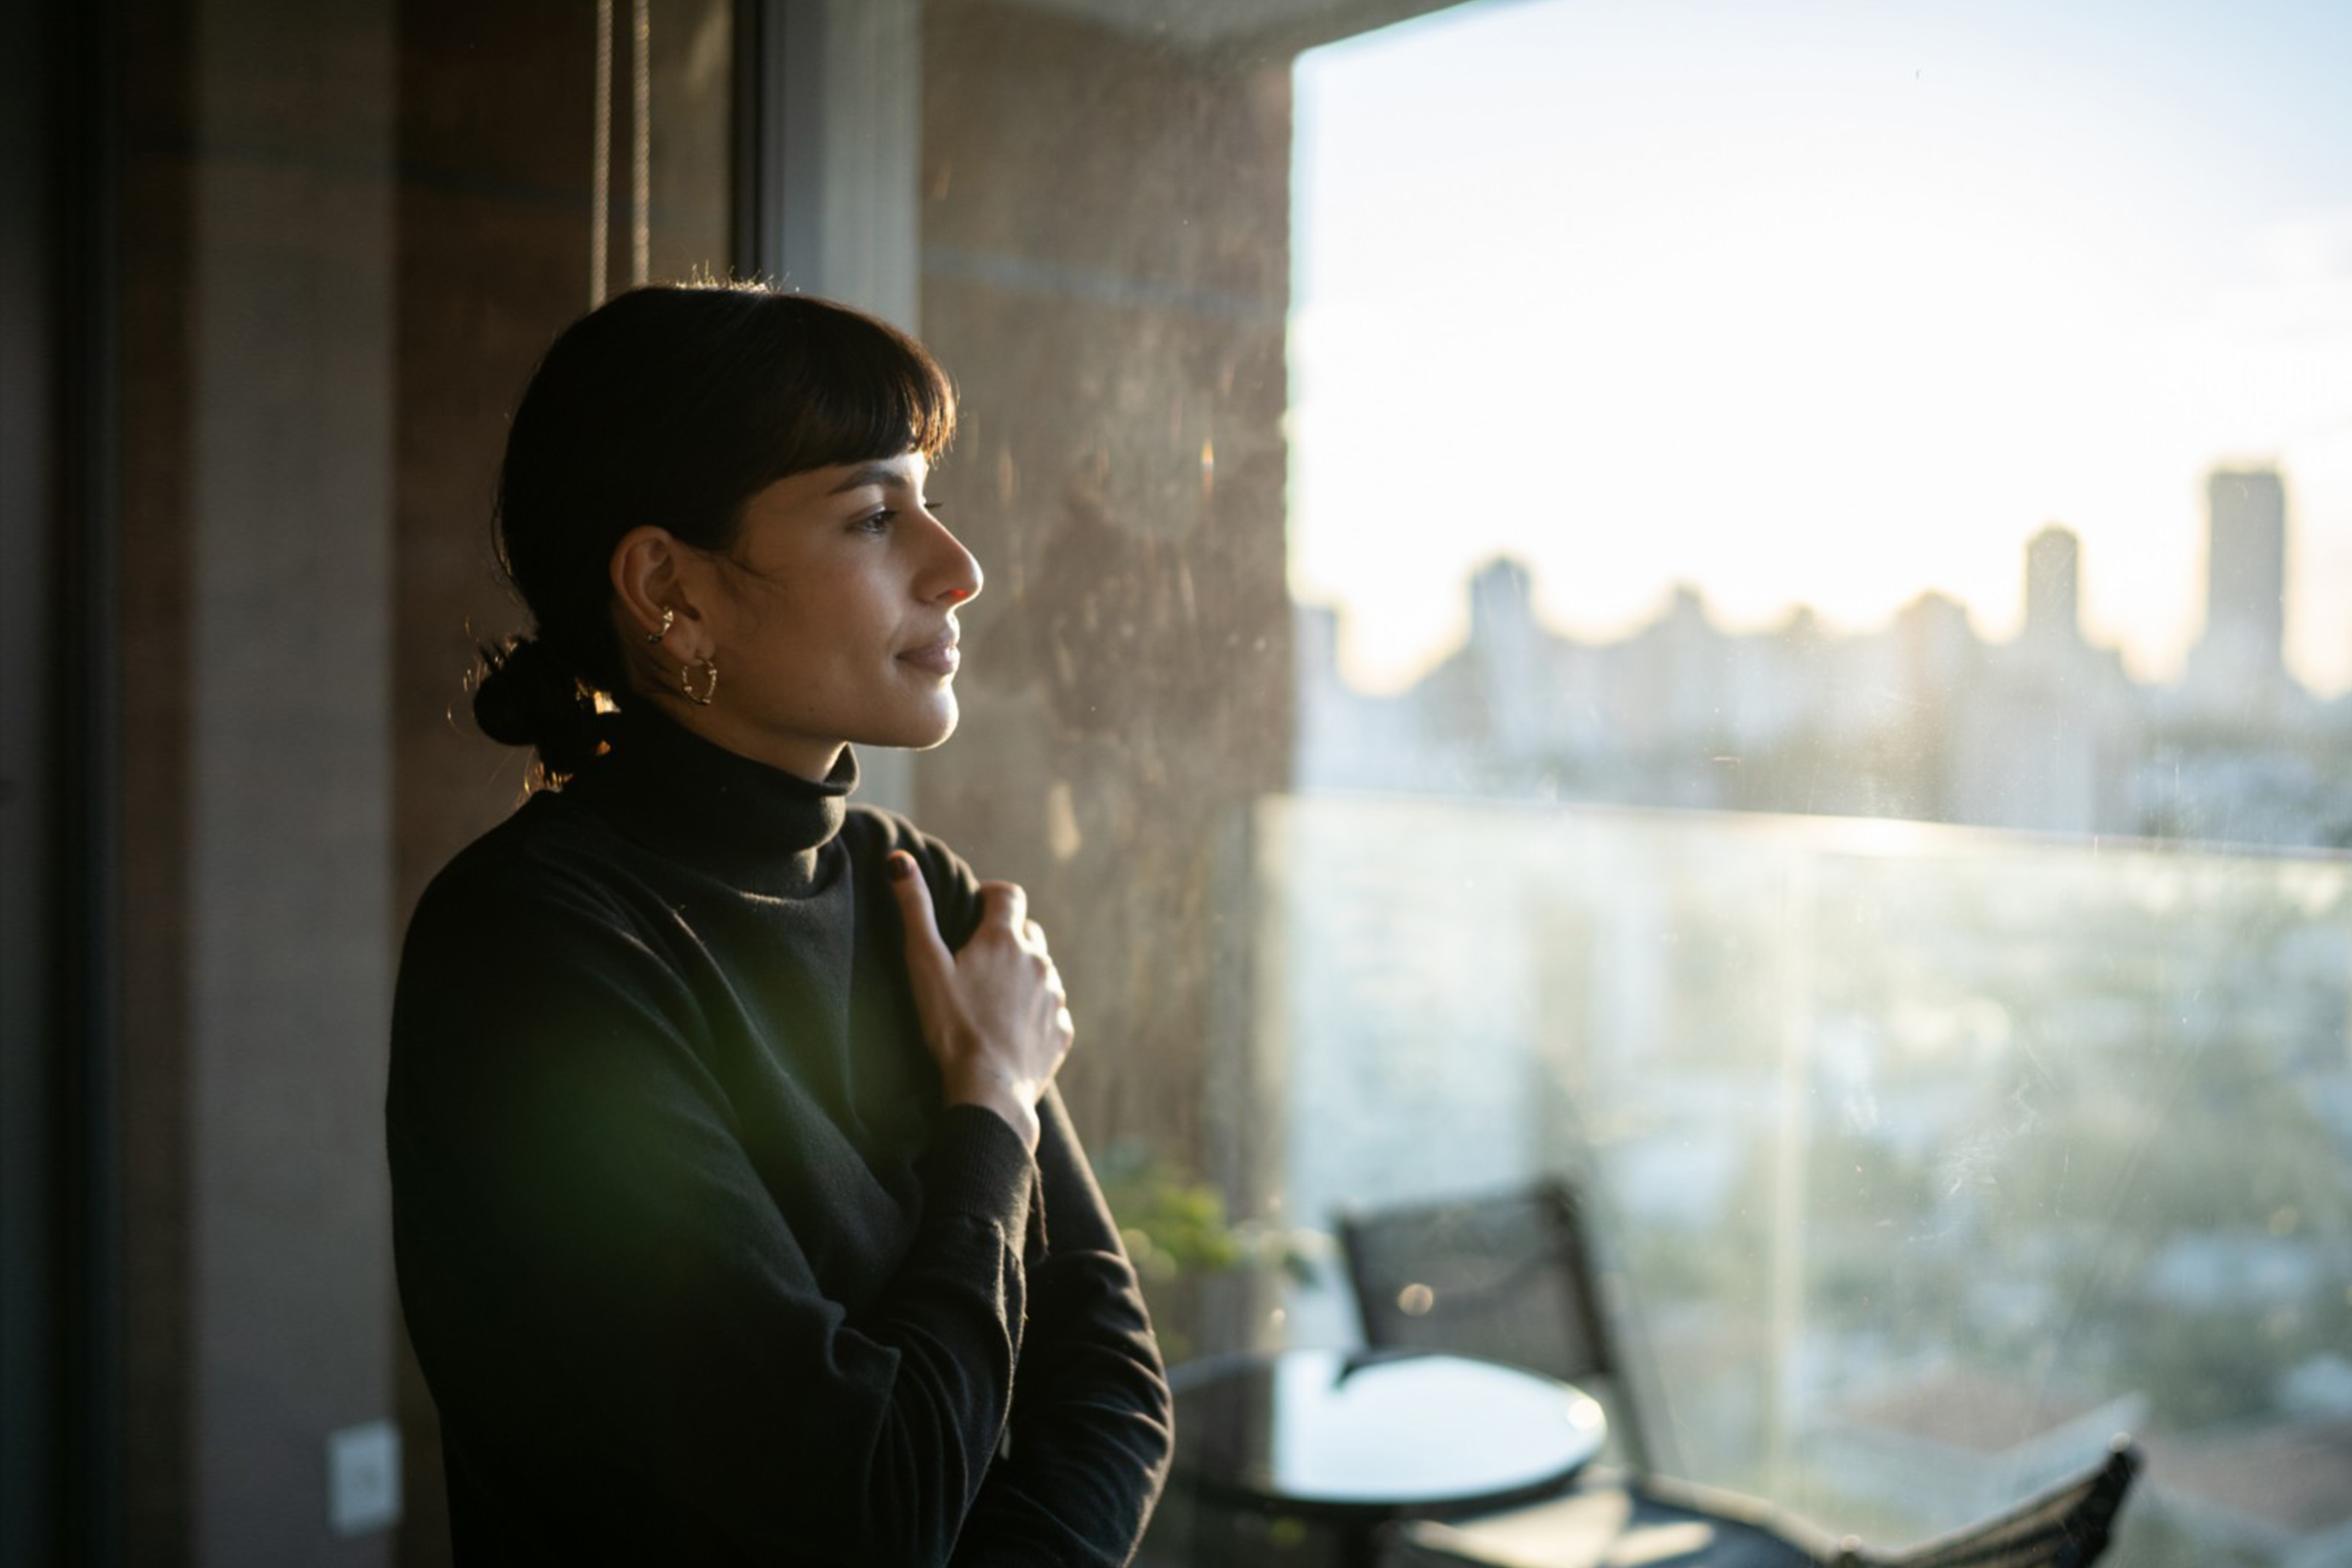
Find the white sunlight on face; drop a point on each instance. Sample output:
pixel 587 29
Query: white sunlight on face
pixel 1816 313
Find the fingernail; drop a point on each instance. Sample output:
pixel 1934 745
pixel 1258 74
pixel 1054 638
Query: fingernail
pixel 902 866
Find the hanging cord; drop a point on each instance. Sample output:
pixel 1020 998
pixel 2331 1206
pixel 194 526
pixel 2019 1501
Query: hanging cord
pixel 641 153
pixel 599 178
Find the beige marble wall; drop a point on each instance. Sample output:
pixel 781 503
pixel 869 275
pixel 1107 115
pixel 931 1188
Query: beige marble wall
pixel 1106 273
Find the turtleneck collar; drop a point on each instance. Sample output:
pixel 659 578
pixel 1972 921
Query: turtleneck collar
pixel 758 827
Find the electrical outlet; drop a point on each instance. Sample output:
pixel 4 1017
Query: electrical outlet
pixel 363 1478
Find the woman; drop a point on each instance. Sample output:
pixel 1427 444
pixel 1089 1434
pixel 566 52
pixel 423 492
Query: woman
pixel 737 1218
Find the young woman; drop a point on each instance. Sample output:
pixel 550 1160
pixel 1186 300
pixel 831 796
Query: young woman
pixel 737 1217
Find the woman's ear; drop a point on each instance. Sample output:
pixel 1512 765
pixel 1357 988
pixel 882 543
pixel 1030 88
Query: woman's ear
pixel 654 586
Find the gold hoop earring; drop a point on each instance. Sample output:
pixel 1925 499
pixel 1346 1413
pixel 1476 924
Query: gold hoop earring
pixel 669 619
pixel 701 699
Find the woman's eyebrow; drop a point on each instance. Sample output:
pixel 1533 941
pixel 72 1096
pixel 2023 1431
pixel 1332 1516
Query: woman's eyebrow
pixel 884 474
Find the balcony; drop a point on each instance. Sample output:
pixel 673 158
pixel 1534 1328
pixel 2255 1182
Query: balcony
pixel 1929 1156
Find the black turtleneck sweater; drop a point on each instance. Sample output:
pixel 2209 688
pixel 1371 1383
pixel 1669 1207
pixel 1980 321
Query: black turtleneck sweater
pixel 697 1265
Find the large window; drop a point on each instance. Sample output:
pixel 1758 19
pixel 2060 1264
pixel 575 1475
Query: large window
pixel 1713 425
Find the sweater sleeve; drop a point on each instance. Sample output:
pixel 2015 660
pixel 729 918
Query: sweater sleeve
pixel 1092 1423
pixel 1092 1420
pixel 589 1264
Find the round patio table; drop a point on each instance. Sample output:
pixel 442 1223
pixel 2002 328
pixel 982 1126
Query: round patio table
pixel 1359 1438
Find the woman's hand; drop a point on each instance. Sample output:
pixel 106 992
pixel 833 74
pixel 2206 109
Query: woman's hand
pixel 995 1014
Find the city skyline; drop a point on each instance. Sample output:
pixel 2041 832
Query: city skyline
pixel 2050 596
pixel 1823 304
pixel 1920 717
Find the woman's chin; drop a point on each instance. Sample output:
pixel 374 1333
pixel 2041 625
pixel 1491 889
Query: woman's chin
pixel 920 733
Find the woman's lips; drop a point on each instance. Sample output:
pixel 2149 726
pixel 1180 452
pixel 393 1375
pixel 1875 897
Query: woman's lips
pixel 940 657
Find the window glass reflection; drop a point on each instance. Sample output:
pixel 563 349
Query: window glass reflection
pixel 1697 431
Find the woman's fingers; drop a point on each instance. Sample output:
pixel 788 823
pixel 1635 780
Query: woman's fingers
pixel 1003 903
pixel 995 1012
pixel 915 913
pixel 930 966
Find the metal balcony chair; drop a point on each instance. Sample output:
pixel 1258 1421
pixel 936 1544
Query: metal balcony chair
pixel 2068 1526
pixel 1509 1276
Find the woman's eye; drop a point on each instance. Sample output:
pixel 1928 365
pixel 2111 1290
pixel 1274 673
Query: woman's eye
pixel 875 523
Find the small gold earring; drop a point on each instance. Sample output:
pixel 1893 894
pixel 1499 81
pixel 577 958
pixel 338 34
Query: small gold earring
pixel 710 677
pixel 669 619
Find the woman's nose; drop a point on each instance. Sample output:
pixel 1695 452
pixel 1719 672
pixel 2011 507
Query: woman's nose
pixel 957 574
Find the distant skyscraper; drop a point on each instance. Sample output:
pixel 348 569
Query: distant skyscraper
pixel 2054 595
pixel 2245 570
pixel 1502 604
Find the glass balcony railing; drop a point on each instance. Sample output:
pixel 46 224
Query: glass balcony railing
pixel 1928 1157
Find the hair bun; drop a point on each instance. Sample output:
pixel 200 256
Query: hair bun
pixel 526 695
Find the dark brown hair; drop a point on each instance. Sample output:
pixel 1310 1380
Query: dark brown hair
pixel 673 407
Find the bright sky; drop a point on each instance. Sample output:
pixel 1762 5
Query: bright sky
pixel 1821 302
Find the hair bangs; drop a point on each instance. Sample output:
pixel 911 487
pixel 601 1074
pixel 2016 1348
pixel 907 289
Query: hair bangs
pixel 858 389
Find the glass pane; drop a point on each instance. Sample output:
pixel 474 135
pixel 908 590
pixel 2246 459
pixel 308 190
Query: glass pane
pixel 1686 433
